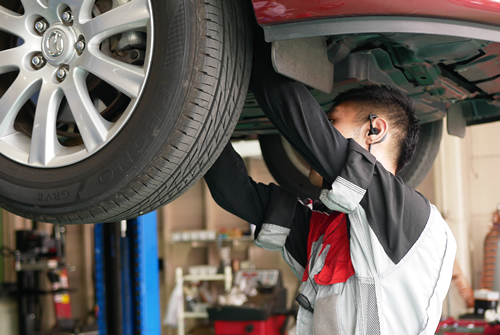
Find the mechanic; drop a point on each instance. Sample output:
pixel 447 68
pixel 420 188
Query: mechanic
pixel 375 257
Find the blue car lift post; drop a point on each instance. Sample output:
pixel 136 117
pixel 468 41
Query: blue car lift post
pixel 127 277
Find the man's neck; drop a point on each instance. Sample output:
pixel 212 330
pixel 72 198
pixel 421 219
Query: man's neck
pixel 379 150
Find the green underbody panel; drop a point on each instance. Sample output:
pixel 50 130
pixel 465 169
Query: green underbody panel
pixel 436 71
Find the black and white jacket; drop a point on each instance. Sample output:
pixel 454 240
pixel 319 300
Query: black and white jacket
pixel 377 259
pixel 366 267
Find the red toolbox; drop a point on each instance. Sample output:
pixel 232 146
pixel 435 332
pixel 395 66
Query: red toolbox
pixel 450 326
pixel 263 313
pixel 270 326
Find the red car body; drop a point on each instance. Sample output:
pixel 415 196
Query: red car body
pixel 270 12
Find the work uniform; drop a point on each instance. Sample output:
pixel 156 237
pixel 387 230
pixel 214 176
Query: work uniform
pixel 375 257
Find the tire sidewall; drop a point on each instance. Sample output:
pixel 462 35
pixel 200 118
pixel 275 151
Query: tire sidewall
pixel 425 154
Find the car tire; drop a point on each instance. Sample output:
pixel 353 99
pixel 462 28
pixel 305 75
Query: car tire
pixel 286 166
pixel 425 154
pixel 290 172
pixel 190 102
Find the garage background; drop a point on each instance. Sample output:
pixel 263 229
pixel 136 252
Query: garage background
pixel 464 184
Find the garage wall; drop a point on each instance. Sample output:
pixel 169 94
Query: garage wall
pixel 467 191
pixel 483 166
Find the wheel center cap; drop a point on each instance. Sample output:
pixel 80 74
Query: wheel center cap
pixel 54 43
pixel 57 45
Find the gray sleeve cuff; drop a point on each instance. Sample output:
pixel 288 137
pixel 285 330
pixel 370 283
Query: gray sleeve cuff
pixel 272 237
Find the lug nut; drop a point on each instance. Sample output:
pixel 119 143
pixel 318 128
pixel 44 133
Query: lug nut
pixel 38 61
pixel 67 17
pixel 41 26
pixel 80 46
pixel 61 73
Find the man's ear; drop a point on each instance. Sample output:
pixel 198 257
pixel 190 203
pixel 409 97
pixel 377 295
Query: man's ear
pixel 380 129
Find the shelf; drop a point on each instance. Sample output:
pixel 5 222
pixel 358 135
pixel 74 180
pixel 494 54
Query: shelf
pixel 226 240
pixel 195 315
pixel 205 277
pixel 180 278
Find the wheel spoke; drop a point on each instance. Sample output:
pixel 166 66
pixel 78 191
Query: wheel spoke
pixel 130 16
pixel 10 59
pixel 12 101
pixel 82 10
pixel 34 6
pixel 124 77
pixel 93 127
pixel 44 143
pixel 12 23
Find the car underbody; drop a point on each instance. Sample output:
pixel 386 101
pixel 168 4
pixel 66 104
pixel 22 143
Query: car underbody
pixel 441 73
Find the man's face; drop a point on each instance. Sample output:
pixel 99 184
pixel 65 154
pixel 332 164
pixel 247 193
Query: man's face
pixel 343 118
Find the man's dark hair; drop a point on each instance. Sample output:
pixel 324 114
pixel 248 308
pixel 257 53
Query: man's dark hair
pixel 396 107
